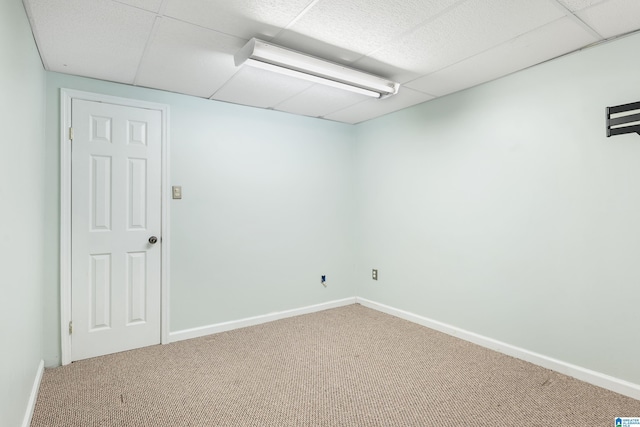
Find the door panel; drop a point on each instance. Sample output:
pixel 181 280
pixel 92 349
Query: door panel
pixel 100 292
pixel 136 287
pixel 115 208
pixel 137 194
pixel 100 193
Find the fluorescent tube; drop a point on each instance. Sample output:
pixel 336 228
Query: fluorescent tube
pixel 258 53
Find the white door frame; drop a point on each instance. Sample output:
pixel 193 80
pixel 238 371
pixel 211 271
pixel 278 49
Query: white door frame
pixel 66 95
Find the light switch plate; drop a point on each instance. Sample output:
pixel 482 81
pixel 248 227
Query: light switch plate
pixel 177 192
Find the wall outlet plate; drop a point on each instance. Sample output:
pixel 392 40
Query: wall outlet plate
pixel 176 192
pixel 374 274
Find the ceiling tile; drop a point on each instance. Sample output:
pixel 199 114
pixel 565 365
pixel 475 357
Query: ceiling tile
pixel 467 30
pixel 320 100
pixel 188 59
pixel 150 5
pixel 241 18
pixel 386 70
pixel 260 88
pixel 575 5
pixel 377 107
pixel 341 24
pixel 91 38
pixel 613 18
pixel 549 41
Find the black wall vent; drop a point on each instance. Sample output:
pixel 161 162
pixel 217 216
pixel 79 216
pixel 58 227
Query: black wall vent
pixel 623 123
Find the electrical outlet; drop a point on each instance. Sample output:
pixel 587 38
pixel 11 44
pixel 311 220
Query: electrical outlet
pixel 323 280
pixel 374 274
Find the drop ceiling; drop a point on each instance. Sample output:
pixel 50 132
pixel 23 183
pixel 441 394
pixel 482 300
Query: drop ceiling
pixel 432 47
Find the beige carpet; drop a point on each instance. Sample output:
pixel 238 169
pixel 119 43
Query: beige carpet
pixel 350 366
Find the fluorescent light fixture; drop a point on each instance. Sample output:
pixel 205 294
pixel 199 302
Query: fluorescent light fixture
pixel 260 54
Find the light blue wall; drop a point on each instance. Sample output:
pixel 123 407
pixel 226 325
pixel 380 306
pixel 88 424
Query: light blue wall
pixel 504 210
pixel 267 209
pixel 21 211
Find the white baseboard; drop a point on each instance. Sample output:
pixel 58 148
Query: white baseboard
pixel 592 377
pixel 33 396
pixel 257 320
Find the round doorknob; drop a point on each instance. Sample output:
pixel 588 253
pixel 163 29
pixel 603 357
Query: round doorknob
pixel 153 240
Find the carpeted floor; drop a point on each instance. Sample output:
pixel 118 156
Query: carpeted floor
pixel 349 366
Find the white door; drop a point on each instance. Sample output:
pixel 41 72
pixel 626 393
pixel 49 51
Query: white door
pixel 115 216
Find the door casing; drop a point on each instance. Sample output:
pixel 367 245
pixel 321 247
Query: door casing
pixel 66 95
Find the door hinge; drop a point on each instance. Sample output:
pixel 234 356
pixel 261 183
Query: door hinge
pixel 70 328
pixel 71 134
